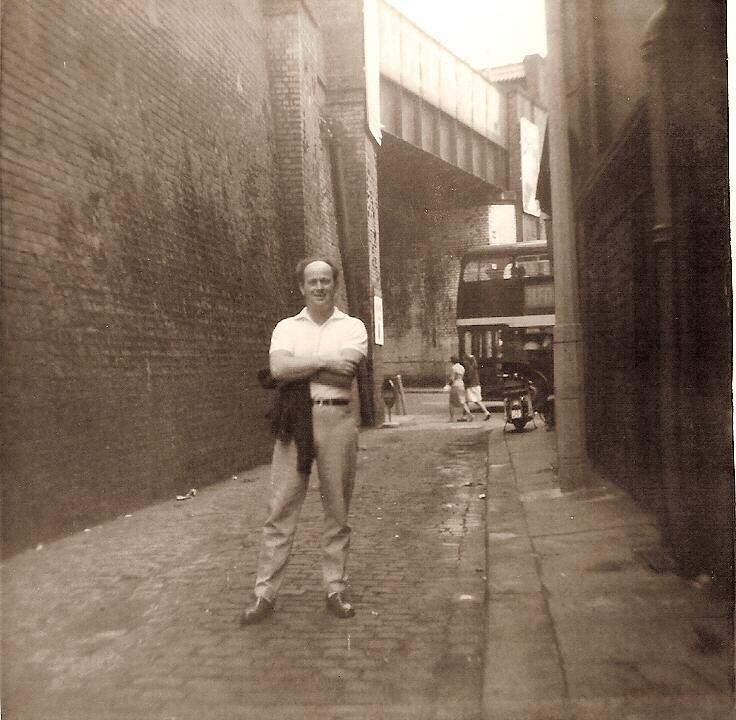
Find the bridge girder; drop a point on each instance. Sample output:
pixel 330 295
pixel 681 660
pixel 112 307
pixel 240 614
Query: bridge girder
pixel 423 125
pixel 426 181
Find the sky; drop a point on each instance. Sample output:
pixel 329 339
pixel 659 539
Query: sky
pixel 484 33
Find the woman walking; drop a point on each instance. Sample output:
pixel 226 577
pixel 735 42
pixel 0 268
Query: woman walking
pixel 457 391
pixel 473 392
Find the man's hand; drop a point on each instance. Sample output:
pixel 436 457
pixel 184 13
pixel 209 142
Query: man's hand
pixel 340 364
pixel 335 369
pixel 339 369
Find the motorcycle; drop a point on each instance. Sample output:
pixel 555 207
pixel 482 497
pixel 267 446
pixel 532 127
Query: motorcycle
pixel 518 407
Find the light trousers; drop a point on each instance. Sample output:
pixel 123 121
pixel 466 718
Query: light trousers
pixel 336 445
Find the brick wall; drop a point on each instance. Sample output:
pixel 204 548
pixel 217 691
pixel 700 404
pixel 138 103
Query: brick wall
pixel 660 416
pixel 697 89
pixel 285 63
pixel 296 70
pixel 618 304
pixel 142 259
pixel 420 264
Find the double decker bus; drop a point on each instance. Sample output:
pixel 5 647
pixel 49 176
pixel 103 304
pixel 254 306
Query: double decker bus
pixel 506 315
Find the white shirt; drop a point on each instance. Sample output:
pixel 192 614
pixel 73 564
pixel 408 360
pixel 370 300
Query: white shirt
pixel 300 335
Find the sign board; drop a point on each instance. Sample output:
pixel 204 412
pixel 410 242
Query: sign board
pixel 377 320
pixel 502 224
pixel 531 158
pixel 539 296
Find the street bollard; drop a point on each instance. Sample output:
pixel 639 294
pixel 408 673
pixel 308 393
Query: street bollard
pixel 399 388
pixel 388 393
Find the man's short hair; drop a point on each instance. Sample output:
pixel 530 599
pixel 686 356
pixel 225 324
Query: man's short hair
pixel 302 264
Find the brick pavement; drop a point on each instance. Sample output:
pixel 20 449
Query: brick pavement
pixel 137 618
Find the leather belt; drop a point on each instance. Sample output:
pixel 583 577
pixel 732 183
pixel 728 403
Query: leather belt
pixel 333 401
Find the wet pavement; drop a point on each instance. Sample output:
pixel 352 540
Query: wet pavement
pixel 481 590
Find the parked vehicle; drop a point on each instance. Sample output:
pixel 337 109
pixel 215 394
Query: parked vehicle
pixel 505 317
pixel 518 407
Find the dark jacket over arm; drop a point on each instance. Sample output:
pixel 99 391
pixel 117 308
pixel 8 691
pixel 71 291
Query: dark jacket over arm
pixel 291 417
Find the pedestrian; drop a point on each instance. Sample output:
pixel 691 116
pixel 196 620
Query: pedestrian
pixel 323 346
pixel 457 390
pixel 472 385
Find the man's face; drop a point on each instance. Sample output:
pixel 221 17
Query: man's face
pixel 318 287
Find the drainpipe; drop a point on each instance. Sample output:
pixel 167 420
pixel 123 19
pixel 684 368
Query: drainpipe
pixel 568 351
pixel 332 134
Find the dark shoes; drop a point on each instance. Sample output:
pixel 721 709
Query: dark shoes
pixel 339 607
pixel 262 609
pixel 257 612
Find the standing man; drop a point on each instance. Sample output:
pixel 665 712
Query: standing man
pixel 324 346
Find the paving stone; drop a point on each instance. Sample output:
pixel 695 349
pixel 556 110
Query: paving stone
pixel 578 627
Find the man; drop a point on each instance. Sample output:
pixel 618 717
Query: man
pixel 324 346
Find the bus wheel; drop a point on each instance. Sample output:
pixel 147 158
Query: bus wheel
pixel 519 425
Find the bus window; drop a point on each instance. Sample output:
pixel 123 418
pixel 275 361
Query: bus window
pixel 470 271
pixel 513 270
pixel 491 269
pixel 535 265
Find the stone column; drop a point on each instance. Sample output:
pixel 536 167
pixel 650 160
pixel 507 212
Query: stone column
pixel 568 351
pixel 342 23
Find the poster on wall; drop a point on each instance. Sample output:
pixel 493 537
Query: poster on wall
pixel 502 224
pixel 531 158
pixel 378 320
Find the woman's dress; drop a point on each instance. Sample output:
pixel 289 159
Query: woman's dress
pixel 457 385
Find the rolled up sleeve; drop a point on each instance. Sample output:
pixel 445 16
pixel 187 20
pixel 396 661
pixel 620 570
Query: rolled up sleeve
pixel 281 338
pixel 357 338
